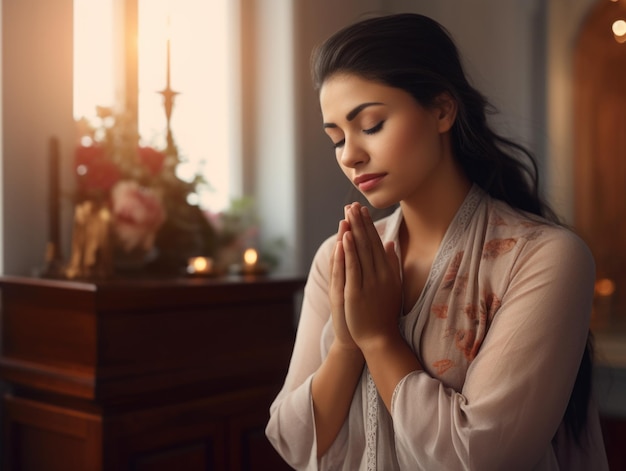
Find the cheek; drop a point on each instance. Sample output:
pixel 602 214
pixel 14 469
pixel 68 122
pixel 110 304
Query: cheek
pixel 416 139
pixel 404 140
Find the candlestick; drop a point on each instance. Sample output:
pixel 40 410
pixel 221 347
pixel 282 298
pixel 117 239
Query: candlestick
pixel 53 257
pixel 53 203
pixel 168 97
pixel 167 59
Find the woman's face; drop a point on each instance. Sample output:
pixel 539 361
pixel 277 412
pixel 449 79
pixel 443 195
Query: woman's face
pixel 388 145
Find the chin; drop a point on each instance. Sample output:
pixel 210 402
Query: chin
pixel 380 203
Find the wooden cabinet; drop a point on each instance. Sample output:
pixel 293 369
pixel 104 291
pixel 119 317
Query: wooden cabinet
pixel 143 375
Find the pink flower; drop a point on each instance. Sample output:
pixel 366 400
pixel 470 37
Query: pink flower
pixel 152 159
pixel 138 214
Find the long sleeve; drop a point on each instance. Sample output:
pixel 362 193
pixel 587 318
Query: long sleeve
pixel 518 385
pixel 291 428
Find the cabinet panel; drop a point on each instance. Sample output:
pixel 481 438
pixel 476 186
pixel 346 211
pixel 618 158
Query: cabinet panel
pixel 158 375
pixel 191 457
pixel 43 437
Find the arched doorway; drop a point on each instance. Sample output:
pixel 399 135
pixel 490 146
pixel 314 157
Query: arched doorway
pixel 599 140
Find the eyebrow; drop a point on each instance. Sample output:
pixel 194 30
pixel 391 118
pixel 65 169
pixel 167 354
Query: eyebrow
pixel 354 113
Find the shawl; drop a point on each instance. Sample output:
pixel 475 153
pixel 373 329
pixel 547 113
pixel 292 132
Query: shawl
pixel 500 328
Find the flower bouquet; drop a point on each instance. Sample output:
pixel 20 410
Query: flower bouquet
pixel 132 211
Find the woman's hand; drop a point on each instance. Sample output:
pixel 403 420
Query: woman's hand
pixel 343 338
pixel 372 285
pixel 366 298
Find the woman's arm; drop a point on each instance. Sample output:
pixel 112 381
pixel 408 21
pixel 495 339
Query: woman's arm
pixel 373 303
pixel 335 381
pixel 312 407
pixel 518 385
pixel 332 391
pixel 291 427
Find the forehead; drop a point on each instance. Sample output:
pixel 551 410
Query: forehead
pixel 340 93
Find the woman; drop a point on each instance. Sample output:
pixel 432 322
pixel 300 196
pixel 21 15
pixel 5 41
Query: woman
pixel 453 333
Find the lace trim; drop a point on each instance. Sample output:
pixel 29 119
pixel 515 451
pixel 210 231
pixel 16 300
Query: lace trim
pixel 371 429
pixel 462 219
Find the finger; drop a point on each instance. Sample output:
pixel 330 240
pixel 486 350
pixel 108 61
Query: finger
pixel 362 242
pixel 337 275
pixel 378 250
pixel 353 269
pixel 343 227
pixel 341 230
pixel 346 208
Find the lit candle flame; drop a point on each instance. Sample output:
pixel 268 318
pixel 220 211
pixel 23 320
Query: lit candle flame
pixel 200 265
pixel 250 256
pixel 619 30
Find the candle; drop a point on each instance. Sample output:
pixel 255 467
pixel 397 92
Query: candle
pixel 200 266
pixel 250 258
pixel 251 264
pixel 53 204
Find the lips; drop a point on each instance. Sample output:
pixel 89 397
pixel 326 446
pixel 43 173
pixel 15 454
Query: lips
pixel 368 181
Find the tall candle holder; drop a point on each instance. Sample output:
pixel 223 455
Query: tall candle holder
pixel 169 96
pixel 53 257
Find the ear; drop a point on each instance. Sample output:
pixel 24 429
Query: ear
pixel 446 109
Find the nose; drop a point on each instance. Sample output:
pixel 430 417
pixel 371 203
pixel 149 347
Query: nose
pixel 352 154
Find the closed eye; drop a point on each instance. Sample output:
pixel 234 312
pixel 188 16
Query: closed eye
pixel 375 129
pixel 369 131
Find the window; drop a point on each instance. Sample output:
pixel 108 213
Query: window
pixel 199 37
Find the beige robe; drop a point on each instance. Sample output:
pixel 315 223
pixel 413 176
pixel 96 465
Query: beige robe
pixel 500 329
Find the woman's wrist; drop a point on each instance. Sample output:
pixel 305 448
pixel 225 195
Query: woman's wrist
pixel 350 351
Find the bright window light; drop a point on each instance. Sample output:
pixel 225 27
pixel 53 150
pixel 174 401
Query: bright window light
pixel 200 71
pixel 93 57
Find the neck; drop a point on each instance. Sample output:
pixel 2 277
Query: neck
pixel 427 215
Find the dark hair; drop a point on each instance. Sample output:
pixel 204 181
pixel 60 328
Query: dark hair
pixel 416 54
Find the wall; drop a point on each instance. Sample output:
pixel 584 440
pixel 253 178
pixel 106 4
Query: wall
pixel 268 131
pixel 564 19
pixel 33 114
pixel 323 188
pixel 36 104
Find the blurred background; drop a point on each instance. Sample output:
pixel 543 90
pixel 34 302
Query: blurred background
pixel 245 115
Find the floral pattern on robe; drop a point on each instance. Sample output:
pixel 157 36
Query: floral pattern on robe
pixel 499 329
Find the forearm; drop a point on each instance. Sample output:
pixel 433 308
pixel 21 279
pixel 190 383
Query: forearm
pixel 332 390
pixel 389 359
